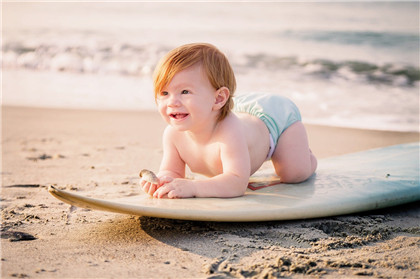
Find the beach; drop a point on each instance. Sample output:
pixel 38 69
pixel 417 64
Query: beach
pixel 99 153
pixel 78 113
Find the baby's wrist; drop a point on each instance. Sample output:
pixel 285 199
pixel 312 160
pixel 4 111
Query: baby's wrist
pixel 195 189
pixel 168 173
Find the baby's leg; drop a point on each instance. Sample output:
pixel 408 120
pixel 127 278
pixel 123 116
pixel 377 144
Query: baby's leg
pixel 292 158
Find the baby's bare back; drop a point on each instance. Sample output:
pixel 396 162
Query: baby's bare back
pixel 257 137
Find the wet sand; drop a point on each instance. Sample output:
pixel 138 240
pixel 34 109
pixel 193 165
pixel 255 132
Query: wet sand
pixel 101 152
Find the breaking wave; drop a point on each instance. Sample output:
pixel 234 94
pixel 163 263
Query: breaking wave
pixel 139 60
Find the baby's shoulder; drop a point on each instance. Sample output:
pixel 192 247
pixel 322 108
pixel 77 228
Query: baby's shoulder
pixel 230 125
pixel 171 132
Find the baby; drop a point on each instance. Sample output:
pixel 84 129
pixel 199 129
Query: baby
pixel 224 138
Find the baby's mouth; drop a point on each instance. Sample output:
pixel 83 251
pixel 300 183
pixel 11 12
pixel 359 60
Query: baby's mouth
pixel 178 116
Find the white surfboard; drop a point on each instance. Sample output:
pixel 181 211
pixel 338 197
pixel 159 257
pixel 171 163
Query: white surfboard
pixel 345 184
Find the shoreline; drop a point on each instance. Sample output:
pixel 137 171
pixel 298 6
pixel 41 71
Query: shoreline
pixel 345 139
pixel 99 153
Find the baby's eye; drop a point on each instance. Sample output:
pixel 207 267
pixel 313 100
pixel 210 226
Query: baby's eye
pixel 185 91
pixel 164 93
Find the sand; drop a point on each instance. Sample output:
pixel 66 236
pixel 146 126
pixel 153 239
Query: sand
pixel 101 152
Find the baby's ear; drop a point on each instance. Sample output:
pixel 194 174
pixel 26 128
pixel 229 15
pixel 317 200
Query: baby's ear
pixel 221 97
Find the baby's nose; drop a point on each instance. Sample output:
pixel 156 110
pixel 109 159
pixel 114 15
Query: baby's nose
pixel 174 101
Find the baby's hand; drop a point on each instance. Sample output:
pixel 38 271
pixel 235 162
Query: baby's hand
pixel 176 188
pixel 150 187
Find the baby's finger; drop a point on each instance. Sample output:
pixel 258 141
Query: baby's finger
pixel 146 187
pixel 165 179
pixel 172 194
pixel 152 189
pixel 157 192
pixel 161 192
pixel 141 182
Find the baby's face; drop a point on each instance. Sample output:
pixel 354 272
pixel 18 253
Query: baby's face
pixel 186 103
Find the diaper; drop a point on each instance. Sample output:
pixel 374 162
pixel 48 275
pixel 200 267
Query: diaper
pixel 277 113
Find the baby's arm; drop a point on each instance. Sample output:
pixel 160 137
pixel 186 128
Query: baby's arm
pixel 234 179
pixel 232 182
pixel 171 166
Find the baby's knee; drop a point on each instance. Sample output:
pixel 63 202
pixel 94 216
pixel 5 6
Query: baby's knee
pixel 295 175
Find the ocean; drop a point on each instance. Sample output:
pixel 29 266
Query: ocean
pixel 346 64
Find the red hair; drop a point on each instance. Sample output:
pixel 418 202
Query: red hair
pixel 214 64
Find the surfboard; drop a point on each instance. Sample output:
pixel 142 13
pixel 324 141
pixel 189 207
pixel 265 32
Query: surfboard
pixel 346 184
